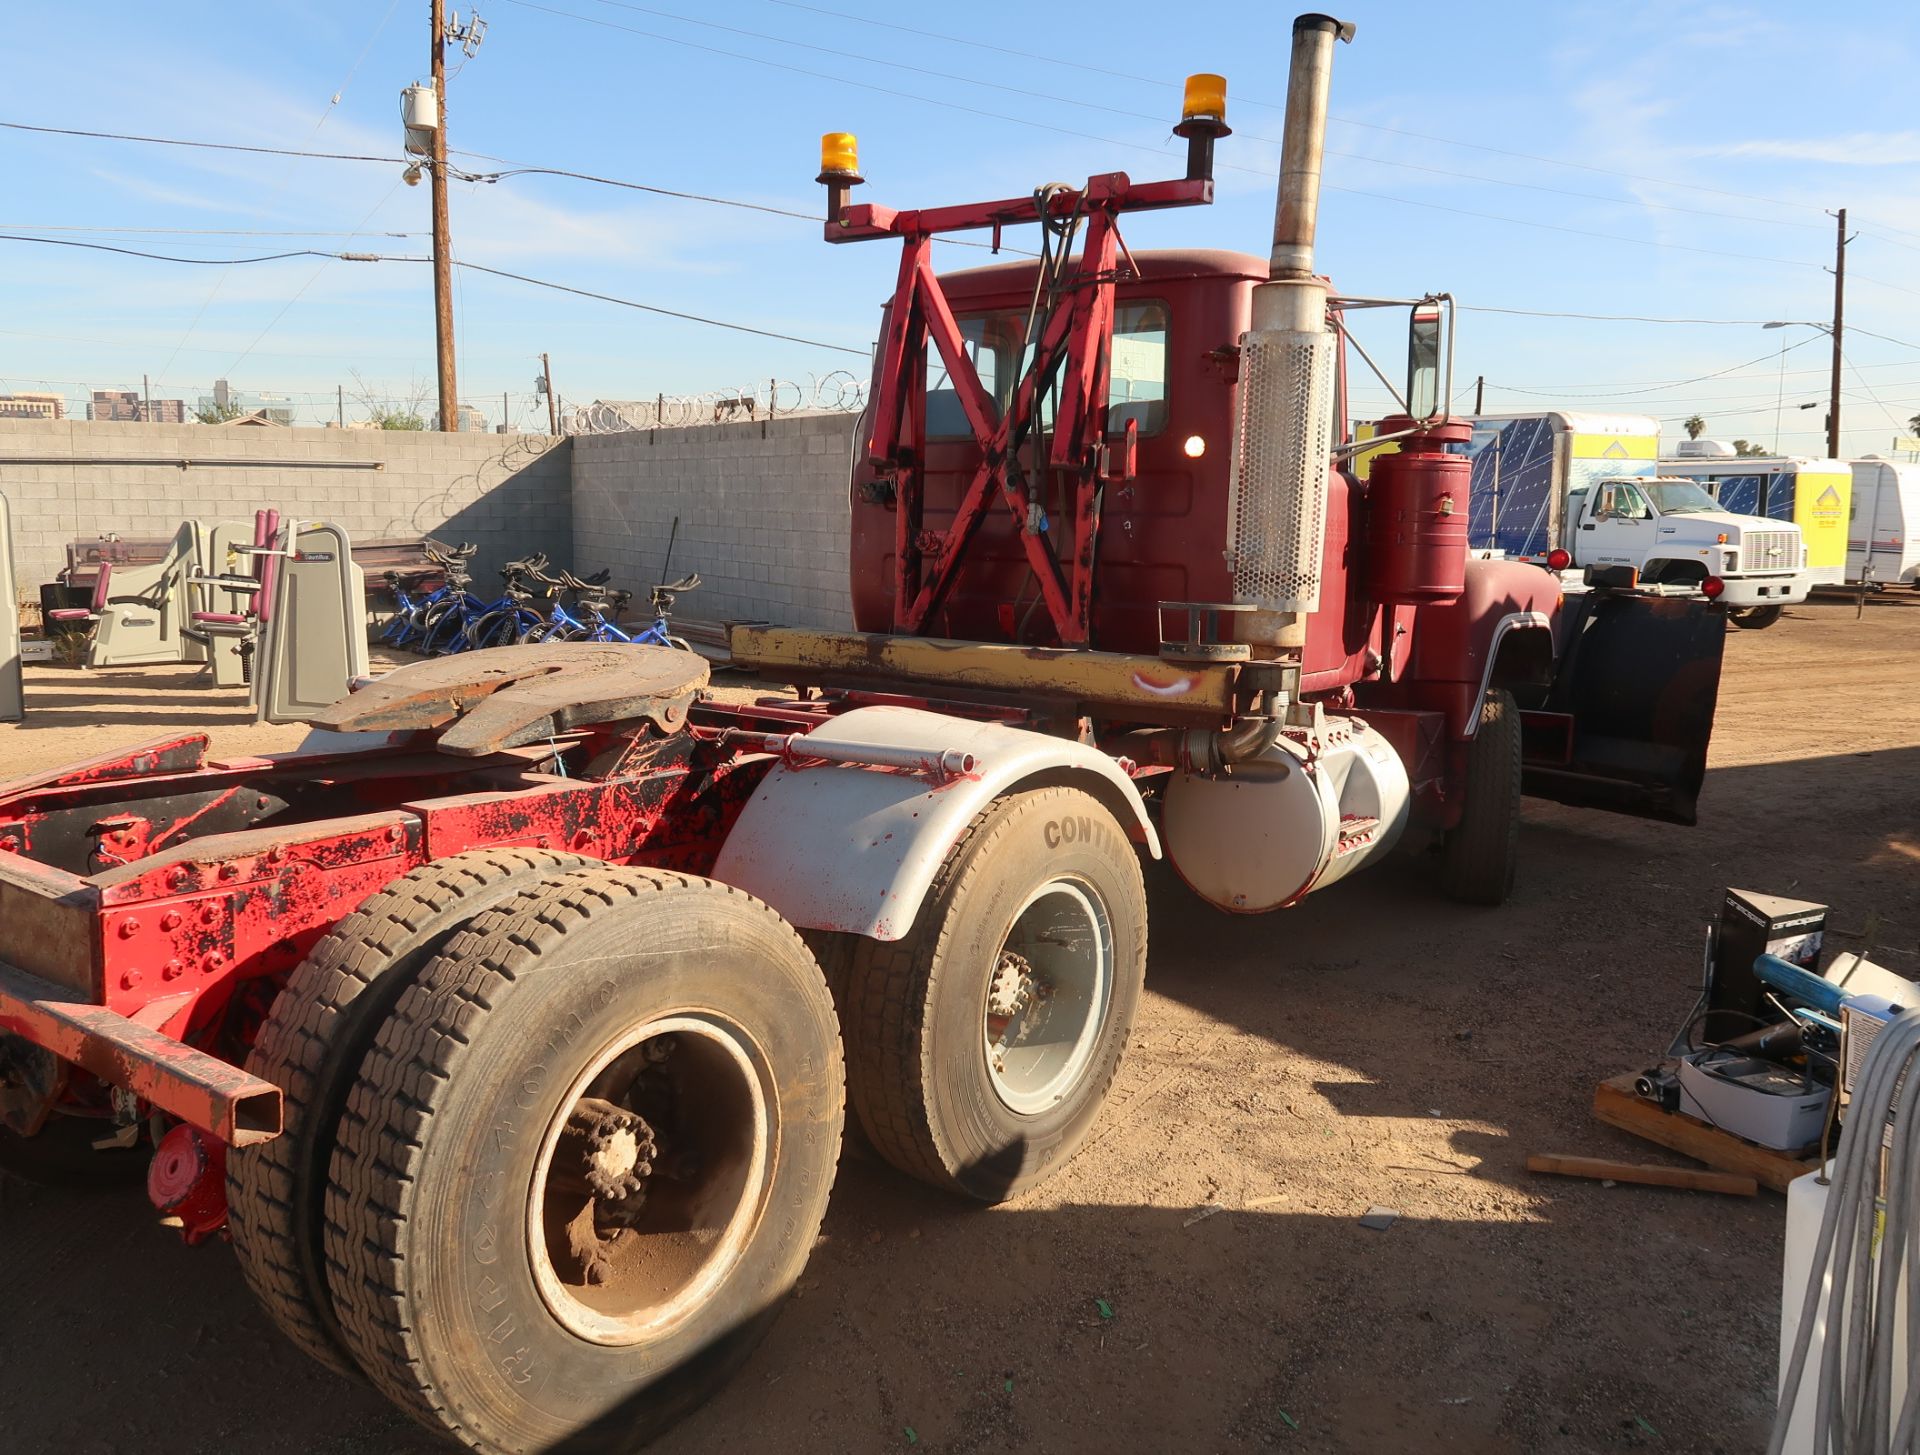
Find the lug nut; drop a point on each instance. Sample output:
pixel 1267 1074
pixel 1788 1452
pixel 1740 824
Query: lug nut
pixel 129 927
pixel 170 920
pixel 175 969
pixel 129 979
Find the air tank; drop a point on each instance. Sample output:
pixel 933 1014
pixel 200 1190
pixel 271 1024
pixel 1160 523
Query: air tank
pixel 1417 514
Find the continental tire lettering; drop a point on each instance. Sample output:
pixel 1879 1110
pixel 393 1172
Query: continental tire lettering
pixel 518 1366
pixel 1075 830
pixel 530 1085
pixel 488 1294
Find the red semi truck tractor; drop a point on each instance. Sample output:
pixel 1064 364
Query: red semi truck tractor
pixel 510 1040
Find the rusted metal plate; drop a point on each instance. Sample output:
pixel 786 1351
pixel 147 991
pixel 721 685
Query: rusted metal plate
pixel 1146 686
pixel 48 917
pixel 486 701
pixel 181 753
pixel 211 1094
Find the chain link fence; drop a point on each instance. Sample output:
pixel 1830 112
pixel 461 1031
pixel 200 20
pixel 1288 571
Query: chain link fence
pixel 839 392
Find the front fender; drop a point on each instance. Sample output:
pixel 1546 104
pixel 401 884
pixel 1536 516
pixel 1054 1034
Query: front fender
pixel 854 849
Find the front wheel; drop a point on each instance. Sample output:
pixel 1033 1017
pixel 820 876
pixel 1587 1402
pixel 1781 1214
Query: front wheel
pixel 1754 618
pixel 585 1161
pixel 1479 853
pixel 980 1047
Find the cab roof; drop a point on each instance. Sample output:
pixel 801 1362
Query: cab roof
pixel 1157 264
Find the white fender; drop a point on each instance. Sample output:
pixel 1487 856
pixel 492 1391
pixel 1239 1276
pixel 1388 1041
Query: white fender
pixel 854 849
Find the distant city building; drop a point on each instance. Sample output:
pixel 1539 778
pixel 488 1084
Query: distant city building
pixel 32 404
pixel 469 418
pixel 125 404
pixel 227 404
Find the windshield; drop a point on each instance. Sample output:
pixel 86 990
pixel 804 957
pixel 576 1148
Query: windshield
pixel 1678 497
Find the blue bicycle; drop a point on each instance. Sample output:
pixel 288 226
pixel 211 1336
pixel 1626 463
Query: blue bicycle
pixel 596 611
pixel 464 622
pixel 407 625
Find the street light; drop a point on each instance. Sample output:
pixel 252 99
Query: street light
pixel 1833 399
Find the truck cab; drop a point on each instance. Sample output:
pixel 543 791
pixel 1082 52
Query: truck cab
pixel 1673 533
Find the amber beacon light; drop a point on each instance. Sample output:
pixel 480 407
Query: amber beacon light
pixel 839 170
pixel 1203 121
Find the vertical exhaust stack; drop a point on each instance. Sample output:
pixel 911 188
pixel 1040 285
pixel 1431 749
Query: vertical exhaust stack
pixel 1276 520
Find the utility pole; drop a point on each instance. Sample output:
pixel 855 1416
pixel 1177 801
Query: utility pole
pixel 553 407
pixel 340 404
pixel 1839 311
pixel 442 245
pixel 146 392
pixel 1480 395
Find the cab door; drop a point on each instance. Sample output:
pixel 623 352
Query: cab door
pixel 1621 529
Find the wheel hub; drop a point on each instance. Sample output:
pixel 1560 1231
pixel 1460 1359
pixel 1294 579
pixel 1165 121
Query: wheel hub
pixel 1046 1000
pixel 610 1148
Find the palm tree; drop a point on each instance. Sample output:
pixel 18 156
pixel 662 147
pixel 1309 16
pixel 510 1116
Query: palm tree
pixel 1695 427
pixel 1914 424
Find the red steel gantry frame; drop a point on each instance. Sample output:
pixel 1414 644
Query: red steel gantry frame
pixel 1075 342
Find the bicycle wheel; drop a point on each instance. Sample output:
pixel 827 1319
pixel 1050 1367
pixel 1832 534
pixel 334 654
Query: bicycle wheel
pixel 441 632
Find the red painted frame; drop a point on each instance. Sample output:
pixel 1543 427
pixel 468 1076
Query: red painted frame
pixel 1077 342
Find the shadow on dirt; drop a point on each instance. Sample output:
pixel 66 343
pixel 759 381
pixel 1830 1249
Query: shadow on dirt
pixel 1375 1042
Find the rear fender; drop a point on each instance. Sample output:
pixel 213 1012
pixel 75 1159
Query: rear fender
pixel 854 849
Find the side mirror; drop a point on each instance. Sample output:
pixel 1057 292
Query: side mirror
pixel 1423 362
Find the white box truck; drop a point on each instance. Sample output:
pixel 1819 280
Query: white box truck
pixel 1536 478
pixel 1671 532
pixel 1813 494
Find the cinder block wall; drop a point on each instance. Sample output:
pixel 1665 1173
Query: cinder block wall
pixel 762 510
pixel 75 479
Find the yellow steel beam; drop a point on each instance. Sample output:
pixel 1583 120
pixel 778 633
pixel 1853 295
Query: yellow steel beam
pixel 1097 679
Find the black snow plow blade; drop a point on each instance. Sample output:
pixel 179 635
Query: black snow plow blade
pixel 1628 717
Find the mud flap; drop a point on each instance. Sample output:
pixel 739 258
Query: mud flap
pixel 1635 689
pixel 312 641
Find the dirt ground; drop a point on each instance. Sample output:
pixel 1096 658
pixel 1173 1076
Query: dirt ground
pixel 1197 1279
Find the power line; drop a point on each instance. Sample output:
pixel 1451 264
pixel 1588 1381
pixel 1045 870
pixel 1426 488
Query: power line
pixel 193 231
pixel 1676 384
pixel 69 242
pixel 1027 91
pixel 1613 317
pixel 1160 81
pixel 668 312
pixel 460 263
pixel 1135 146
pixel 213 146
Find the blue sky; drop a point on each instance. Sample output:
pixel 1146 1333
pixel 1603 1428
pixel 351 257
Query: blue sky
pixel 1738 125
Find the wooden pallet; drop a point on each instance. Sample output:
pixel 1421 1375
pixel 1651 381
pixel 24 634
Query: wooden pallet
pixel 1615 1103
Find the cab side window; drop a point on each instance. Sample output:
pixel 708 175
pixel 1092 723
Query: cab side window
pixel 1137 388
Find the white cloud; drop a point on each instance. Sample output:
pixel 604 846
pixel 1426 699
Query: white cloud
pixel 1860 149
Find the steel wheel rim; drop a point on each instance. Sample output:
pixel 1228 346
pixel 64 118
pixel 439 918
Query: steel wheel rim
pixel 1054 972
pixel 696 1227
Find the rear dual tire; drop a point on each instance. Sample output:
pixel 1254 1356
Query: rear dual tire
pixel 462 1273
pixel 311 1046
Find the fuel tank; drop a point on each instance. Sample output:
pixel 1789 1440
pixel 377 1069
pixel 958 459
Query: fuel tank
pixel 1417 515
pixel 1303 814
